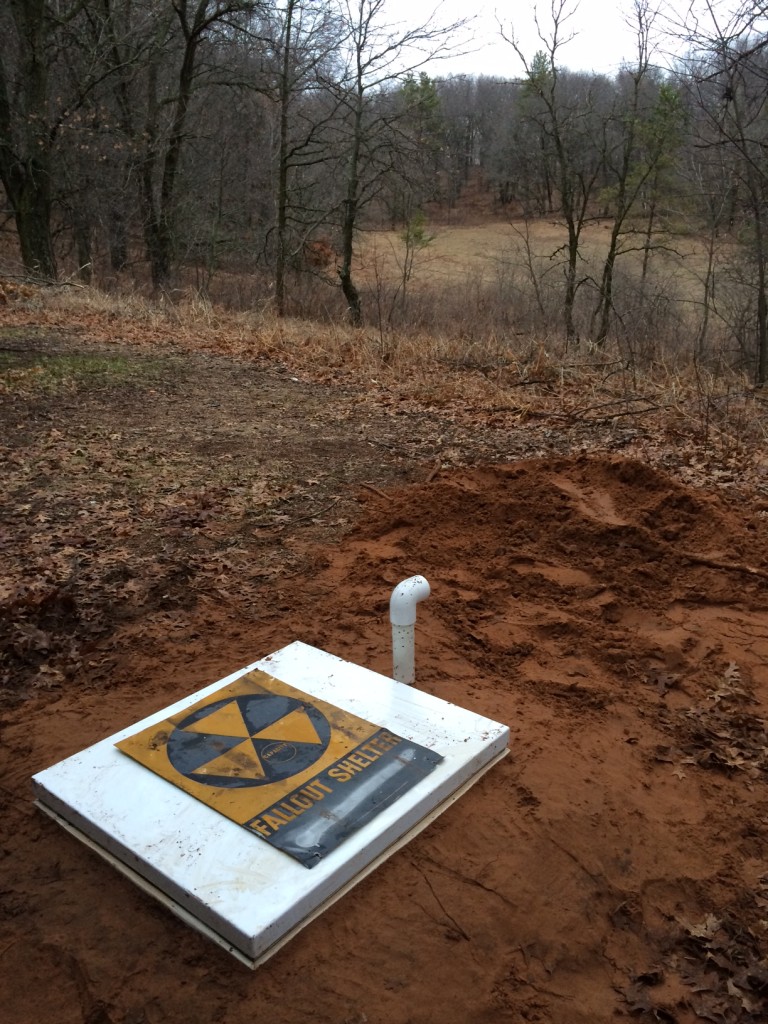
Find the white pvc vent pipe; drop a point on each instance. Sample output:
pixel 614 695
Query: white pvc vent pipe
pixel 402 615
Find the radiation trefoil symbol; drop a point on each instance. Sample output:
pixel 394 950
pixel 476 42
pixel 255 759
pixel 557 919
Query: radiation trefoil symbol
pixel 250 740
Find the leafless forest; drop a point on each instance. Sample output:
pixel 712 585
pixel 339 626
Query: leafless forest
pixel 249 151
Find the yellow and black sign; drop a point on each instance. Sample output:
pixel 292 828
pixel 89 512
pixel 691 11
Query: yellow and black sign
pixel 298 772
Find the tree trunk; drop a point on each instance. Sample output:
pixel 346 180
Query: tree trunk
pixel 569 301
pixel 282 169
pixel 157 244
pixel 709 295
pixel 118 240
pixel 602 313
pixel 351 294
pixel 761 374
pixel 32 213
pixel 650 224
pixel 160 213
pixel 159 252
pixel 81 227
pixel 25 142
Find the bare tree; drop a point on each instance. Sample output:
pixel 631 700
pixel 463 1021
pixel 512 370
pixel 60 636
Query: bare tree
pixel 64 68
pixel 644 129
pixel 377 54
pixel 165 124
pixel 562 105
pixel 306 38
pixel 35 34
pixel 728 73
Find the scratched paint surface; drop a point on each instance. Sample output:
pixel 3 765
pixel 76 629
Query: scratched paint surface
pixel 294 770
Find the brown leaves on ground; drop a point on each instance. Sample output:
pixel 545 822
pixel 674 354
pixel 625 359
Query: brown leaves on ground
pixel 170 516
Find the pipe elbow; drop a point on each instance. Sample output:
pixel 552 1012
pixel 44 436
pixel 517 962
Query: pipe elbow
pixel 405 597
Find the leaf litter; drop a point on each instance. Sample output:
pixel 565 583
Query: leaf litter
pixel 195 513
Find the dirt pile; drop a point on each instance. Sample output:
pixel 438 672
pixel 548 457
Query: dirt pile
pixel 613 866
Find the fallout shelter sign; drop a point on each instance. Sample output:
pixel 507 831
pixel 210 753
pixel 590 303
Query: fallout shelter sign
pixel 297 772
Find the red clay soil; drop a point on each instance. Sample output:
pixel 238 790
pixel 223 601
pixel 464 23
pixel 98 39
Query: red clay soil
pixel 612 867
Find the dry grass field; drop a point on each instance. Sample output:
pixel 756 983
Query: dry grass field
pixel 506 280
pixel 466 283
pixel 458 253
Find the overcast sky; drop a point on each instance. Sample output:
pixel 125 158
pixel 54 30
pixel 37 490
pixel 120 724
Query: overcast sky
pixel 602 38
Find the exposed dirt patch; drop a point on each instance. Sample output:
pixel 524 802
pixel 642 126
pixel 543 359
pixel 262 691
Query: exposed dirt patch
pixel 174 521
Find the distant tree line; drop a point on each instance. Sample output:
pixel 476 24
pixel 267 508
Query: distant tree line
pixel 160 137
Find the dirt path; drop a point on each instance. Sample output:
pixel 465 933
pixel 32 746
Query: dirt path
pixel 169 520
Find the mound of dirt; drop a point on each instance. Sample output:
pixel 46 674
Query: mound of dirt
pixel 612 866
